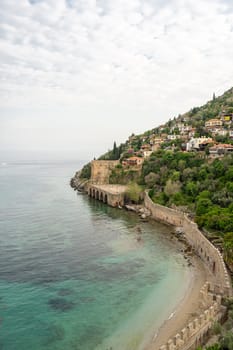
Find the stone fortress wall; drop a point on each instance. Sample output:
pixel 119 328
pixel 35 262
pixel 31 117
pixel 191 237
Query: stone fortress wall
pixel 198 330
pixel 202 246
pixel 99 188
pixel 112 195
pixel 100 171
pixel 195 332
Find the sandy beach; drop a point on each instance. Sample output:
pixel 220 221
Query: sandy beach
pixel 187 310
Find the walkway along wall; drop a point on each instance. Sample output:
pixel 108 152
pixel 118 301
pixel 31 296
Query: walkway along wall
pixel 112 195
pixel 202 246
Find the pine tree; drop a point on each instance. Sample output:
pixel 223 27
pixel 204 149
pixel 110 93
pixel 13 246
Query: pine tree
pixel 115 151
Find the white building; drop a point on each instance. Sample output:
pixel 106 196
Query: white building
pixel 196 143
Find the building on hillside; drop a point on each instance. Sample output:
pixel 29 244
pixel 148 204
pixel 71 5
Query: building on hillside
pixel 147 154
pixel 221 132
pixel 155 147
pixel 146 147
pixel 172 137
pixel 185 129
pixel 227 118
pixel 220 150
pixel 192 132
pixel 156 141
pixel 198 143
pixel 130 151
pixel 133 161
pixel 179 126
pixel 213 123
pixel 204 142
pixel 231 133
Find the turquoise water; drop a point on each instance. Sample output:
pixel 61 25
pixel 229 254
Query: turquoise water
pixel 73 275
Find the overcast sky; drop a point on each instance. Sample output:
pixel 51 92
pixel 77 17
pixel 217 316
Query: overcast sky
pixel 76 75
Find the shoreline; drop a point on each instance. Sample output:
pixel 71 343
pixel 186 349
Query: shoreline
pixel 190 306
pixel 186 310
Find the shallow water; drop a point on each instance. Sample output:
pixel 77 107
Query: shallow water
pixel 72 273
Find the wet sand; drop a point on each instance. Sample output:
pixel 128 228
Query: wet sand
pixel 187 310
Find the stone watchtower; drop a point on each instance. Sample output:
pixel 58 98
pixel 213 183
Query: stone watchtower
pixel 101 169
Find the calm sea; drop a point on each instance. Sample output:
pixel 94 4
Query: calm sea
pixel 73 275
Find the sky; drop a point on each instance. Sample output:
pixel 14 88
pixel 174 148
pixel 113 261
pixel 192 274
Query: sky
pixel 77 75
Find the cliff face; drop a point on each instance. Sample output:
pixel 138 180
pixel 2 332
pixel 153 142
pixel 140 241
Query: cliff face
pixel 77 183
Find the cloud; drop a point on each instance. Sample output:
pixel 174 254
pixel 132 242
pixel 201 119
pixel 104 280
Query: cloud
pixel 136 58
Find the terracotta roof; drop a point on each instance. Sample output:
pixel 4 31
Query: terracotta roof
pixel 134 158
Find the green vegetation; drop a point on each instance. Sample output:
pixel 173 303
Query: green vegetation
pixel 202 188
pixel 86 171
pixel 123 176
pixel 213 347
pixel 134 192
pixel 115 153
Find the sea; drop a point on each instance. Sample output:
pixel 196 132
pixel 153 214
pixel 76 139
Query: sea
pixel 74 274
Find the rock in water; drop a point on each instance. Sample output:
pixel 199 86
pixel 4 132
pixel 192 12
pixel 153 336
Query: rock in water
pixel 61 304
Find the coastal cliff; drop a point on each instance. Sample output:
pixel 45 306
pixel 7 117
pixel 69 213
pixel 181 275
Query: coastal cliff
pixel 78 183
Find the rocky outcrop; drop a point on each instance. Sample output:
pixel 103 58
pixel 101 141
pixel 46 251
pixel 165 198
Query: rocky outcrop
pixel 77 183
pixel 141 210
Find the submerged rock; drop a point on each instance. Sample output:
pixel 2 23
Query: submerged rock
pixel 64 291
pixel 61 304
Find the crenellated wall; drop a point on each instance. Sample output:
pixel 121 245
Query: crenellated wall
pixel 197 330
pixel 202 246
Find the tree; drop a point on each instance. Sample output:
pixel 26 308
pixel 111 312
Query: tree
pixel 226 342
pixel 172 187
pixel 191 189
pixel 213 347
pixel 134 192
pixel 115 151
pixel 228 246
pixel 86 171
pixel 151 179
pixel 203 205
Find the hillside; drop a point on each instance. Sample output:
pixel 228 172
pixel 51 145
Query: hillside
pixel 186 163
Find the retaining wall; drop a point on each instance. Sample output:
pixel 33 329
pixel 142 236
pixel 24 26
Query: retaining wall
pixel 197 331
pixel 202 246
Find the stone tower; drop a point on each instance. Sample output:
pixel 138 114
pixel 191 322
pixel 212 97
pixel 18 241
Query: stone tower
pixel 101 169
